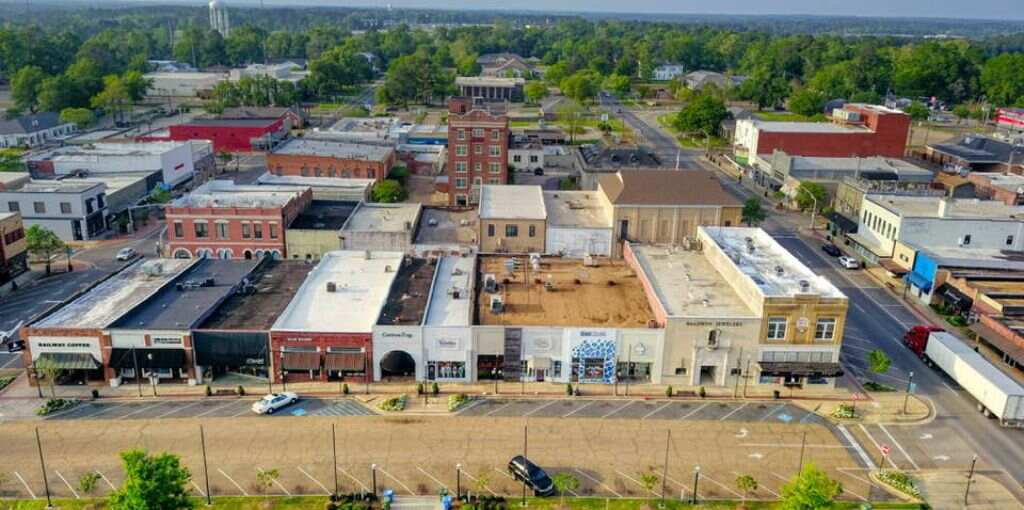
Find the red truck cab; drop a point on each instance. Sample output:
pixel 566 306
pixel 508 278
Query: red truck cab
pixel 916 338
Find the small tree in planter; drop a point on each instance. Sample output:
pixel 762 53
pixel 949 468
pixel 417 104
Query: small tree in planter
pixel 747 485
pixel 649 480
pixel 564 482
pixel 266 478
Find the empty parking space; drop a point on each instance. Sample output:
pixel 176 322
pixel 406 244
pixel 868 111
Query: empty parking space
pixel 211 408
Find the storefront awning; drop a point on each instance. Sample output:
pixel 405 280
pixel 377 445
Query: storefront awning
pixel 147 358
pixel 69 360
pixel 842 222
pixel 230 348
pixel 955 296
pixel 993 338
pixel 919 281
pixel 891 266
pixel 345 361
pixel 304 360
pixel 538 362
pixel 800 368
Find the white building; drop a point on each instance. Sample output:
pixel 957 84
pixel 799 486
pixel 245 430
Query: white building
pixel 286 71
pixel 219 17
pixel 74 210
pixel 667 72
pixel 526 157
pixel 578 224
pixel 33 130
pixel 177 161
pixel 182 84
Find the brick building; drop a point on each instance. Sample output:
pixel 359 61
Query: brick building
pixel 227 135
pixel 477 149
pixel 13 247
pixel 302 157
pixel 224 220
pixel 856 130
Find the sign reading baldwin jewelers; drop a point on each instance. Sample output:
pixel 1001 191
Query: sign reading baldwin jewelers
pixel 717 324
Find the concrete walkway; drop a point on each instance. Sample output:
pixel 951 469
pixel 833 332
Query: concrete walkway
pixel 944 490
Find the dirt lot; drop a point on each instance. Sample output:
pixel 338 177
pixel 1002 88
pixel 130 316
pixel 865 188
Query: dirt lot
pixel 418 455
pixel 607 295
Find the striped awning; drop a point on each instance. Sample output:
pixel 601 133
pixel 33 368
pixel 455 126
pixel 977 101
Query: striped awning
pixel 68 360
pixel 300 360
pixel 345 361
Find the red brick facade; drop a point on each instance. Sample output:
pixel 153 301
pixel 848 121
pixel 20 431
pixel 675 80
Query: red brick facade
pixel 887 135
pixel 225 135
pixel 477 150
pixel 232 232
pixel 326 166
pixel 281 341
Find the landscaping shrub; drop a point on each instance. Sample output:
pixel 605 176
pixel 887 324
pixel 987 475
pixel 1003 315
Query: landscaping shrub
pixel 344 389
pixel 899 481
pixel 240 390
pixel 456 401
pixel 435 389
pixel 568 389
pixel 55 404
pixel 393 403
pixel 844 412
pixel 668 391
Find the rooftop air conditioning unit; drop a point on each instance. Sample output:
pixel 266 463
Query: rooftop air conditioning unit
pixel 332 287
pixel 497 304
pixel 779 270
pixel 805 285
pixel 490 283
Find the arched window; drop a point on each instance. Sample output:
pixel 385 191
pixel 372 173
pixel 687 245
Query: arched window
pixel 182 253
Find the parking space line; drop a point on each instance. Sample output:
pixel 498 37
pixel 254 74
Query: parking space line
pixel 680 484
pixel 698 408
pixel 472 405
pixel 471 477
pixel 145 407
pixel 23 482
pixel 208 411
pixel 541 407
pixel 496 409
pixel 845 472
pixel 439 482
pixel 773 411
pixel 619 409
pixel 73 491
pixel 760 485
pixel 595 480
pixel 847 489
pixel 856 446
pixel 360 482
pixel 899 447
pixel 303 471
pixel 193 404
pixel 627 477
pixel 275 482
pixel 196 485
pixel 399 482
pixel 716 482
pixel 510 477
pixel 245 410
pixel 105 479
pixel 878 447
pixel 232 480
pixel 734 411
pixel 9 362
pixel 662 406
pixel 584 406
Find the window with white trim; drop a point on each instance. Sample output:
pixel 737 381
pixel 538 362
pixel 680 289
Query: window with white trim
pixel 495 150
pixel 460 167
pixel 776 328
pixel 460 183
pixel 461 150
pixel 825 329
pixel 494 168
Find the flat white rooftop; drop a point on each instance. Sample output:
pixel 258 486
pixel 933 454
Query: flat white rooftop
pixel 1008 182
pixel 687 285
pixel 107 150
pixel 333 149
pixel 511 202
pixel 221 193
pixel 383 218
pixel 104 304
pixel 314 182
pixel 806 127
pixel 580 209
pixel 454 277
pixel 361 284
pixel 939 207
pixel 485 81
pixel 772 268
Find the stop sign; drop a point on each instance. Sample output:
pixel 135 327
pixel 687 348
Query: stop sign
pixel 885 449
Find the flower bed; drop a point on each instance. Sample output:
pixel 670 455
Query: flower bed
pixel 457 401
pixel 844 412
pixel 393 404
pixel 55 404
pixel 900 481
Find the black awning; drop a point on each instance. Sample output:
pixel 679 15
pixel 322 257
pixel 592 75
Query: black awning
pixel 68 360
pixel 147 358
pixel 230 348
pixel 845 224
pixel 800 368
pixel 955 296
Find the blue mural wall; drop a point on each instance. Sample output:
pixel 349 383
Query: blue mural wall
pixel 604 349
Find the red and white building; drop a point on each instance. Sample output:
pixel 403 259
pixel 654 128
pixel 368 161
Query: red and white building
pixel 228 221
pixel 477 149
pixel 326 332
pixel 1010 119
pixel 227 135
pixel 856 131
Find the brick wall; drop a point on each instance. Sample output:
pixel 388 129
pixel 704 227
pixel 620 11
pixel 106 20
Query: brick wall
pixel 279 340
pixel 324 166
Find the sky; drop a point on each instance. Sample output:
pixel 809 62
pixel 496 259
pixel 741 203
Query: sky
pixel 979 9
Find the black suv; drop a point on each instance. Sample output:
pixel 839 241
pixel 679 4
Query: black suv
pixel 831 249
pixel 532 475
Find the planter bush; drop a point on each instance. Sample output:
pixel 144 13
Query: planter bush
pixel 456 401
pixel 668 391
pixel 844 412
pixel 900 481
pixel 394 404
pixel 55 404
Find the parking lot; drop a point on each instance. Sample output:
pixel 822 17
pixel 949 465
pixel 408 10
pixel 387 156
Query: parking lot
pixel 692 410
pixel 419 454
pixel 212 408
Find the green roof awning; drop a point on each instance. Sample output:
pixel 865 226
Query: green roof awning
pixel 69 360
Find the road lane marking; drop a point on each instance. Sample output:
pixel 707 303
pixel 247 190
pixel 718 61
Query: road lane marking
pixel 275 482
pixel 472 405
pixel 584 406
pixel 232 480
pixel 761 485
pixel 358 481
pixel 899 447
pixel 222 406
pixel 773 411
pixel 856 446
pixel 627 477
pixel 619 409
pixel 648 415
pixel 172 411
pixel 847 489
pixel 844 471
pixel 716 482
pixel 734 411
pixel 73 491
pixel 510 477
pixel 471 477
pixel 499 408
pixel 541 407
pixel 877 446
pixel 595 480
pixel 698 408
pixel 303 471
pixel 23 482
pixel 399 482
pixel 439 482
pixel 105 479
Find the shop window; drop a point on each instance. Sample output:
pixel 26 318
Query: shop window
pixel 556 369
pixel 490 230
pixel 511 230
pixel 446 370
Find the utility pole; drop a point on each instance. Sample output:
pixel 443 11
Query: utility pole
pixel 696 480
pixel 746 377
pixel 524 456
pixel 206 469
pixel 664 473
pixel 739 373
pixel 46 483
pixel 910 386
pixel 967 491
pixel 334 454
pixel 138 374
pixel 803 446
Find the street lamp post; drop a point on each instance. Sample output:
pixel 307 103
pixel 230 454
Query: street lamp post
pixel 696 480
pixel 910 385
pixel 373 475
pixel 152 378
pixel 138 374
pixel 814 208
pixel 458 481
pixel 494 375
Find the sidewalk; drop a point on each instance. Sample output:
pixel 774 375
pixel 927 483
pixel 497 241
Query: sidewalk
pixel 944 490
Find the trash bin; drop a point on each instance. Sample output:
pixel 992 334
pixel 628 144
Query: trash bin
pixel 446 502
pixel 776 394
pixel 389 495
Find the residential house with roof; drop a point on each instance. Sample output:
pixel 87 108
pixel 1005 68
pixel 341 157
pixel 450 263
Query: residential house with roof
pixel 513 219
pixel 699 80
pixel 33 130
pixel 668 72
pixel 665 206
pixel 225 220
pixel 505 65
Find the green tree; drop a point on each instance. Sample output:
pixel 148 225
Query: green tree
pixel 702 115
pixel 747 485
pixel 764 88
pixel 962 112
pixel 388 191
pixel 564 482
pixel 571 114
pixel 812 489
pixel 43 244
pixel 49 370
pixel 414 78
pixel 25 85
pixel 807 102
pixel 811 194
pixel 918 111
pixel 114 98
pixel 879 362
pixel 581 86
pixel 400 173
pixel 617 84
pixel 753 214
pixel 160 195
pixel 152 482
pixel 649 480
pixel 467 65
pixel 87 482
pixel 266 478
pixel 1002 79
pixel 80 117
pixel 136 84
pixel 535 91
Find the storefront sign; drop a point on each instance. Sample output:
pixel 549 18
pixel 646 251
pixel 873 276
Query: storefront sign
pixel 64 345
pixel 448 343
pixel 166 340
pixel 401 334
pixel 717 324
pixel 254 361
pixel 298 339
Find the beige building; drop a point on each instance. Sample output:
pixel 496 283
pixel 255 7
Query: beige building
pixel 513 219
pixel 665 206
pixel 13 246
